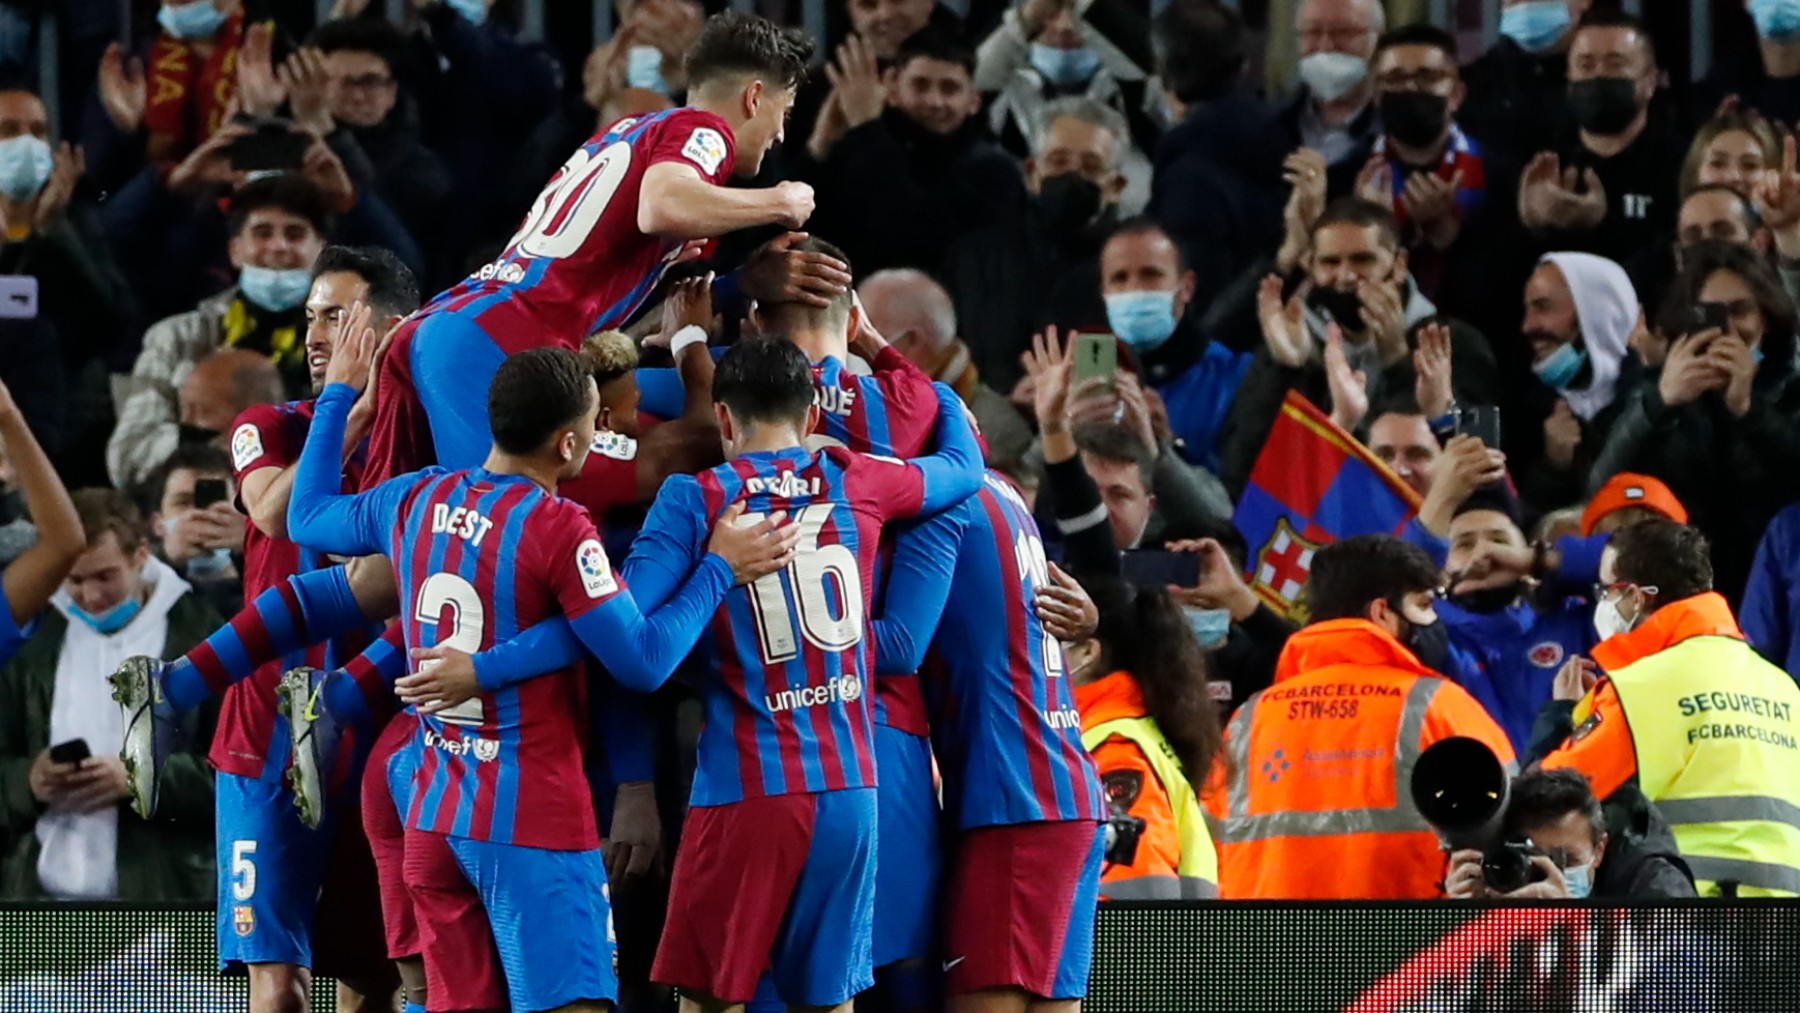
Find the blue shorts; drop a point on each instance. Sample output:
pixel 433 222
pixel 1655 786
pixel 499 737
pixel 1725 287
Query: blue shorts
pixel 909 864
pixel 783 883
pixel 545 915
pixel 453 363
pixel 270 870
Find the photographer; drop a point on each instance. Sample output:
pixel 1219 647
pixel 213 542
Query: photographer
pixel 1556 811
pixel 1140 688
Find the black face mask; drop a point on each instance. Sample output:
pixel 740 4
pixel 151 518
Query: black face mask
pixel 1070 203
pixel 1488 600
pixel 1414 118
pixel 193 435
pixel 1604 105
pixel 1344 308
pixel 1430 644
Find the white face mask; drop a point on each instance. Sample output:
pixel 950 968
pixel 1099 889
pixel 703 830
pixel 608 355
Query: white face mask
pixel 1610 622
pixel 1331 76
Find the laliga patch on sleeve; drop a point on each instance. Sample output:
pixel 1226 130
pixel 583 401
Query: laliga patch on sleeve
pixel 705 148
pixel 596 572
pixel 617 446
pixel 1587 727
pixel 246 446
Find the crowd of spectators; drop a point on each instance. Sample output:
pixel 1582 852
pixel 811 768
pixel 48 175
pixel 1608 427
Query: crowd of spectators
pixel 1545 228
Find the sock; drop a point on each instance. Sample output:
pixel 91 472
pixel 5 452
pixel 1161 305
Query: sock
pixel 291 616
pixel 363 690
pixel 413 1007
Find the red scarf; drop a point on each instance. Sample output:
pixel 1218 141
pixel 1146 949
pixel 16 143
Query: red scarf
pixel 188 100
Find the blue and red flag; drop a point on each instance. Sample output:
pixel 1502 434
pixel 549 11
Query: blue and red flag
pixel 1312 485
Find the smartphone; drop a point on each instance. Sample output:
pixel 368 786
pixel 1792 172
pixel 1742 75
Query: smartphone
pixel 208 491
pixel 72 751
pixel 1709 316
pixel 1156 568
pixel 1481 421
pixel 18 297
pixel 1096 357
pixel 274 146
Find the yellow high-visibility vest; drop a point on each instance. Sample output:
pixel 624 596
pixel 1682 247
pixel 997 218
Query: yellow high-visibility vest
pixel 1197 875
pixel 1717 735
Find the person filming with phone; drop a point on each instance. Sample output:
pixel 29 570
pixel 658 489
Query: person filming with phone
pixel 1721 422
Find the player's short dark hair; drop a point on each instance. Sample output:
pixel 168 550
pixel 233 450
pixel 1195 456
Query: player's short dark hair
pixel 1542 797
pixel 1144 225
pixel 359 35
pixel 1605 15
pixel 935 44
pixel 764 380
pixel 733 42
pixel 288 192
pixel 1349 576
pixel 1673 558
pixel 102 509
pixel 536 394
pixel 393 290
pixel 1421 34
pixel 1116 442
pixel 1362 214
pixel 1200 49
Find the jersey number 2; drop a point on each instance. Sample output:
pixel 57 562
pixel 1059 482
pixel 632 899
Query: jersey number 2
pixel 1034 569
pixel 827 587
pixel 468 622
pixel 568 209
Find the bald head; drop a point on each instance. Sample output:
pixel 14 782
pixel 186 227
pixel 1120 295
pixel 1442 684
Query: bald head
pixel 913 312
pixel 224 384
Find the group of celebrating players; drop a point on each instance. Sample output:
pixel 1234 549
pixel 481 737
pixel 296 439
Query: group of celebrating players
pixel 460 456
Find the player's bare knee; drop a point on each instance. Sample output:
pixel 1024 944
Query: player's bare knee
pixel 279 988
pixel 363 997
pixel 700 1002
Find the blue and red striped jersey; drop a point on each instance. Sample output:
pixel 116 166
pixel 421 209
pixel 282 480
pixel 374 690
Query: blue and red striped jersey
pixel 890 412
pixel 478 558
pixel 1003 719
pixel 252 738
pixel 787 657
pixel 579 263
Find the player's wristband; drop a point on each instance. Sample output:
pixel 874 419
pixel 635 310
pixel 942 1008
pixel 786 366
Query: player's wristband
pixel 692 334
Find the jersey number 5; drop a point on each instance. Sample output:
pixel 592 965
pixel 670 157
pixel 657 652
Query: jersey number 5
pixel 468 621
pixel 827 587
pixel 569 207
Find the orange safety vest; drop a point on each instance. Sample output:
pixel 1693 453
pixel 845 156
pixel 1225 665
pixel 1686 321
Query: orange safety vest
pixel 1319 804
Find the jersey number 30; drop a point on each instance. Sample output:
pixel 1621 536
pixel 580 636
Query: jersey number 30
pixel 569 208
pixel 827 588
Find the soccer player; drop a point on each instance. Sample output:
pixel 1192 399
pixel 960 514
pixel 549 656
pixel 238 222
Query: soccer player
pixel 499 818
pixel 271 866
pixel 1018 785
pixel 775 868
pixel 596 242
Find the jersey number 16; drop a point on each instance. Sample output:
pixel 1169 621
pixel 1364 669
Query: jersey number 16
pixel 827 594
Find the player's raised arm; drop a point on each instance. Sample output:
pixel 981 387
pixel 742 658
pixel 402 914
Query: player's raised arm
pixel 953 473
pixel 319 515
pixel 744 70
pixel 39 571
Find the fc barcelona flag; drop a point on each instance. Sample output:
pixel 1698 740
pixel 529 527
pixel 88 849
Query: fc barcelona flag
pixel 1313 484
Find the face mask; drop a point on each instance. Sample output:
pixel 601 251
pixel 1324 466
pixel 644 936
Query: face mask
pixel 1064 66
pixel 1560 367
pixel 1776 20
pixel 1604 105
pixel 1488 600
pixel 25 166
pixel 1414 118
pixel 196 20
pixel 1069 202
pixel 473 11
pixel 210 564
pixel 1580 880
pixel 1143 320
pixel 1212 627
pixel 275 290
pixel 112 620
pixel 1610 622
pixel 1344 308
pixel 643 69
pixel 1331 76
pixel 1430 643
pixel 1537 26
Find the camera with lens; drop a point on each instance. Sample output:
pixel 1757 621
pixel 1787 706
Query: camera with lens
pixel 1123 832
pixel 1463 790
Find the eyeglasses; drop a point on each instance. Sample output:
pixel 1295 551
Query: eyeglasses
pixel 1602 590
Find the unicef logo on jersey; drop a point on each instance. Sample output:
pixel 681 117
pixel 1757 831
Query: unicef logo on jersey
pixel 845 688
pixel 509 274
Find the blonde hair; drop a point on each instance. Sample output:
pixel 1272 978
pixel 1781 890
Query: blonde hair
pixel 609 355
pixel 1742 121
